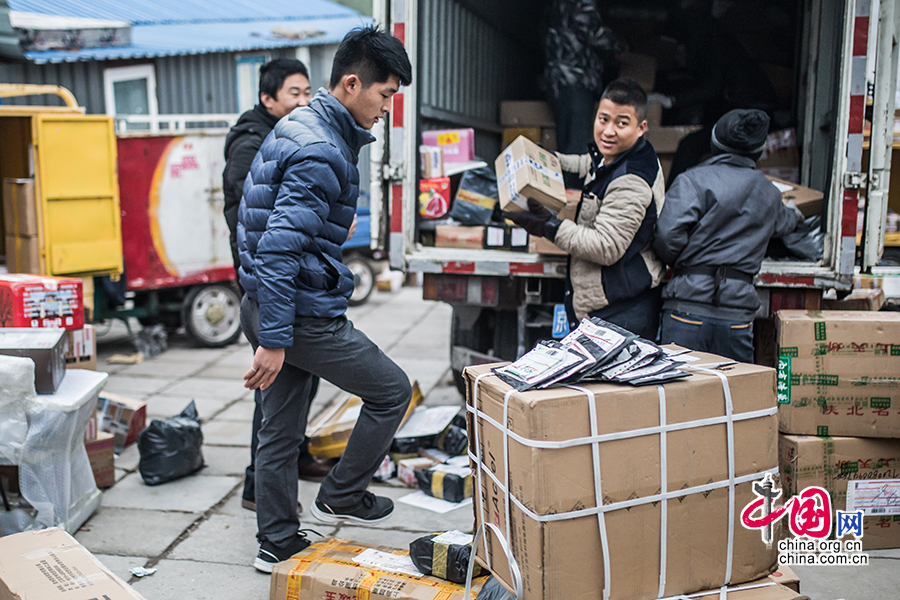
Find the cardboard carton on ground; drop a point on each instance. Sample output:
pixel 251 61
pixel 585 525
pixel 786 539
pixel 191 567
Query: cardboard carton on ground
pixel 82 349
pixel 808 200
pixel 50 565
pixel 123 417
pixel 525 170
pixel 834 464
pixel 329 432
pixel 330 570
pixel 41 301
pixel 839 373
pixel 45 347
pixel 565 558
pixel 101 454
pixel 526 113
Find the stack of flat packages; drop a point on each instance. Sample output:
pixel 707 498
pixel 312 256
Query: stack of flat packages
pixel 623 492
pixel 839 413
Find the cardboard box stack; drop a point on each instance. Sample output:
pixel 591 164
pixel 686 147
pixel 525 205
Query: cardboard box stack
pixel 838 401
pixel 658 472
pixel 529 118
pixel 20 223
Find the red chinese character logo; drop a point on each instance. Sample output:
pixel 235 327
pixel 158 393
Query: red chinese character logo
pixel 811 513
pixel 831 410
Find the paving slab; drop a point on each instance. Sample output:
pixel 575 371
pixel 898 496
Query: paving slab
pixel 221 539
pixel 220 371
pixel 444 395
pixel 242 410
pixel 226 460
pixel 428 371
pixel 128 458
pixel 162 368
pixel 227 433
pixel 199 356
pixel 135 386
pixel 163 406
pixel 121 565
pixel 133 532
pixel 393 538
pixel 183 579
pixel 851 583
pixel 239 358
pixel 224 389
pixel 195 493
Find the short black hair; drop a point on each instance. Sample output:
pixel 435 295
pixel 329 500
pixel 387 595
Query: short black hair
pixel 372 55
pixel 273 73
pixel 627 92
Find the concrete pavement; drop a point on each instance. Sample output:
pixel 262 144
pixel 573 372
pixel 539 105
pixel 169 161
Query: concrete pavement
pixel 194 530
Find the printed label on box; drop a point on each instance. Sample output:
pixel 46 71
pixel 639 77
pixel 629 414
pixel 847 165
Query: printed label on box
pixel 874 497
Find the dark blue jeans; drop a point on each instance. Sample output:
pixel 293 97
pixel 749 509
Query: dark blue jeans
pixel 732 339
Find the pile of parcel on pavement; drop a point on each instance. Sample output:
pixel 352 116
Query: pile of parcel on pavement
pixel 52 455
pixel 602 487
pixel 839 413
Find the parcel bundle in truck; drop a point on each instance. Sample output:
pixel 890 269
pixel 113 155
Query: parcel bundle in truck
pixel 617 491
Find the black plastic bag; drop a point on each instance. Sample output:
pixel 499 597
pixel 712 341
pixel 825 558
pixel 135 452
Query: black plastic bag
pixel 444 485
pixel 171 448
pixel 446 561
pixel 806 242
pixel 453 441
pixel 493 590
pixel 477 188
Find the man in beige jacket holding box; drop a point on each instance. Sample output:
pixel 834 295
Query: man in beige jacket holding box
pixel 613 272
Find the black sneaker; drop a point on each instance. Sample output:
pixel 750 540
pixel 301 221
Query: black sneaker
pixel 370 510
pixel 269 555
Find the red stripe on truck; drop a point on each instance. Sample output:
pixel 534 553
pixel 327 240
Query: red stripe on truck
pixel 849 214
pixel 396 208
pixel 857 113
pixel 458 267
pixel 860 36
pixel 533 268
pixel 397 110
pixel 400 32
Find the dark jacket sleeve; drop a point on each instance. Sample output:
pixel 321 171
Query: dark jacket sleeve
pixel 786 219
pixel 681 211
pixel 309 187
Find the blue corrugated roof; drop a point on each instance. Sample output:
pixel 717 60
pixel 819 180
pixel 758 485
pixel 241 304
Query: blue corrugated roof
pixel 145 12
pixel 200 38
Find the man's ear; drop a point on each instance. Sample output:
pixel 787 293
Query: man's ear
pixel 351 83
pixel 643 127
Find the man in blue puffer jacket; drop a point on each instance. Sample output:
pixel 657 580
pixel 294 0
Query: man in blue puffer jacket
pixel 298 205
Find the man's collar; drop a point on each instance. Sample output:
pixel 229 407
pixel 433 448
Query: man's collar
pixel 335 113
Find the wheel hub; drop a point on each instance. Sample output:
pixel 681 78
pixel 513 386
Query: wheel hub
pixel 215 312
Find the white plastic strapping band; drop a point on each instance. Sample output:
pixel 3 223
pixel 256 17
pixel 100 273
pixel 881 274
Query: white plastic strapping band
pixel 663 488
pixel 594 439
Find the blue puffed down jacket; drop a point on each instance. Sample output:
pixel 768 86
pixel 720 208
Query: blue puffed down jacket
pixel 298 204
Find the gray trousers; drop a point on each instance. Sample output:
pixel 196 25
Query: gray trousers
pixel 335 351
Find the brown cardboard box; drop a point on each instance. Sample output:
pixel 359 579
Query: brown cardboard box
pixel 640 67
pixel 82 349
pixel 45 346
pixel 525 170
pixel 783 163
pixel 123 417
pixel 541 245
pixel 560 480
pixel 511 133
pixel 328 570
pixel 808 200
pixel 23 254
pixel 762 589
pixel 665 139
pixel 431 159
pixel 49 564
pixel 526 113
pixel 456 236
pixel 329 432
pixel 786 577
pixel 19 208
pixel 831 463
pixel 860 299
pixel 101 454
pixel 839 373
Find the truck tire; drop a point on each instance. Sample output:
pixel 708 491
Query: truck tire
pixel 363 278
pixel 212 314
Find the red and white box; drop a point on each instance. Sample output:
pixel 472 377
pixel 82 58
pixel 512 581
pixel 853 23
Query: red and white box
pixel 457 145
pixel 41 301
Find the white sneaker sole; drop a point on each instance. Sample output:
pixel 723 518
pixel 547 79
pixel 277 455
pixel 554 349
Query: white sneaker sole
pixel 263 566
pixel 338 519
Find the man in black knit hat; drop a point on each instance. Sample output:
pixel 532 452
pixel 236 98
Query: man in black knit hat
pixel 713 230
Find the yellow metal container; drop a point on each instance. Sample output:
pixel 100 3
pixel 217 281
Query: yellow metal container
pixel 72 159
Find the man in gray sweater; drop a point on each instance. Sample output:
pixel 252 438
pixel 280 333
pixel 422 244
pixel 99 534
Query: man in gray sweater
pixel 715 225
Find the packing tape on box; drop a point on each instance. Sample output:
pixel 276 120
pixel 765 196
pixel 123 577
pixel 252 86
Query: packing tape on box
pixel 601 509
pixel 509 177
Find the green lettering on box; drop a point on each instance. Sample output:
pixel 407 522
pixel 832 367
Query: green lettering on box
pixel 895 349
pixel 880 403
pixel 822 431
pixel 546 180
pixel 850 467
pixel 783 380
pixel 793 351
pixel 819 328
pixel 827 380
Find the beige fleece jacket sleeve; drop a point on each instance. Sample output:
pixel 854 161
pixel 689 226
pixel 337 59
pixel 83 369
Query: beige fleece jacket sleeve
pixel 605 238
pixel 579 164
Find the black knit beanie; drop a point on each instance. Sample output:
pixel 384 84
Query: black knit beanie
pixel 741 131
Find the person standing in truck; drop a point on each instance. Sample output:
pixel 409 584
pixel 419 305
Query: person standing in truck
pixel 714 229
pixel 613 272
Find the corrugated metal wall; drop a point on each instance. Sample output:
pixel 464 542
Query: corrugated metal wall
pixel 192 84
pixel 471 59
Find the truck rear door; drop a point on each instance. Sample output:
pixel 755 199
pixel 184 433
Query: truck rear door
pixel 77 193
